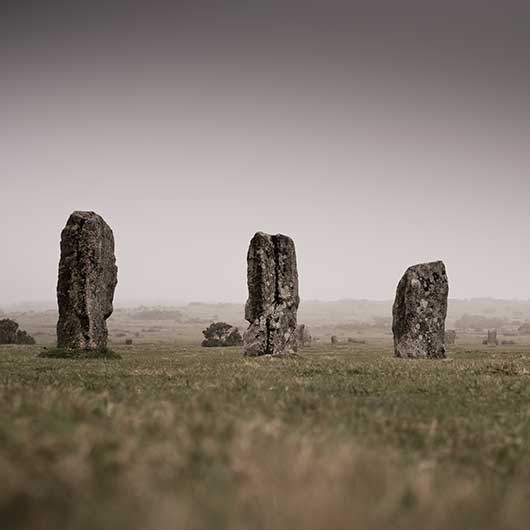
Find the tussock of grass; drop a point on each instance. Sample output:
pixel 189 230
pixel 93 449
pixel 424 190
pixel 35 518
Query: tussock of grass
pixel 60 353
pixel 176 438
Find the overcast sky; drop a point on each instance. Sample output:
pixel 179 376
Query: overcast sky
pixel 376 134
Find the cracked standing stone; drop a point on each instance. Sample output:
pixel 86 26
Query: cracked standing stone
pixel 273 298
pixel 87 280
pixel 419 312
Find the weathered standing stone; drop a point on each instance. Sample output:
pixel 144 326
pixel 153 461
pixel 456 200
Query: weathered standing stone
pixel 273 298
pixel 303 336
pixel 492 338
pixel 87 280
pixel 419 312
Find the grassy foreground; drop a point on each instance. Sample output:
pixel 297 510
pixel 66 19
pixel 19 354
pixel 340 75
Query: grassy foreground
pixel 175 437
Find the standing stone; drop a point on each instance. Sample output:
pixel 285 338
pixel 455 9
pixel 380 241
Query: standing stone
pixel 334 339
pixel 492 338
pixel 87 280
pixel 450 337
pixel 303 336
pixel 272 296
pixel 419 312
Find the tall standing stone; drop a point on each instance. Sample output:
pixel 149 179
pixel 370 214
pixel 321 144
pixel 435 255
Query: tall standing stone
pixel 419 312
pixel 492 338
pixel 273 298
pixel 87 280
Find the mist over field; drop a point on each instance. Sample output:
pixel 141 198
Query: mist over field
pixel 375 137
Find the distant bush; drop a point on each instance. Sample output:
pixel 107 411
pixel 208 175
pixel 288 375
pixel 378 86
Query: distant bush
pixel 24 338
pixel 128 342
pixel 221 334
pixel 10 334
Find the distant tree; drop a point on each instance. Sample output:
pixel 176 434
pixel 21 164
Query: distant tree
pixel 221 334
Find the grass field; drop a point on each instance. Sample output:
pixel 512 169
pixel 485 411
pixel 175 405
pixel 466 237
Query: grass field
pixel 178 437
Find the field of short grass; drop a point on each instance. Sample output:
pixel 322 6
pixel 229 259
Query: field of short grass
pixel 178 437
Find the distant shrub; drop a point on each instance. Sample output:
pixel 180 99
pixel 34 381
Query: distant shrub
pixel 128 342
pixel 24 338
pixel 10 334
pixel 221 334
pixel 8 331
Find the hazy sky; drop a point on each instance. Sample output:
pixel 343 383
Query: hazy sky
pixel 376 134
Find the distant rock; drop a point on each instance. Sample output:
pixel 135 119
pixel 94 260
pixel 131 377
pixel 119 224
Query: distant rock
pixel 450 337
pixel 87 281
pixel 491 340
pixel 10 334
pixel 352 340
pixel 273 298
pixel 334 339
pixel 419 312
pixel 303 336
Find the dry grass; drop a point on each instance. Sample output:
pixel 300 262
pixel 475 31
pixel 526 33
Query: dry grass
pixel 175 437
